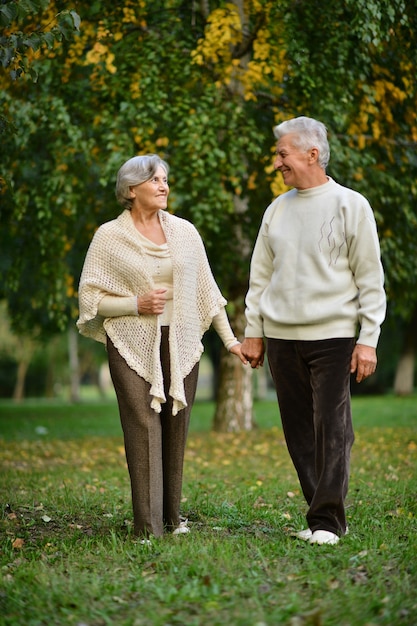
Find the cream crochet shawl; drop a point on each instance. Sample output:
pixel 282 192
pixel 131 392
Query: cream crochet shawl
pixel 116 264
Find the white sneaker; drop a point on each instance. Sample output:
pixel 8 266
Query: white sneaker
pixel 304 534
pixel 182 529
pixel 321 537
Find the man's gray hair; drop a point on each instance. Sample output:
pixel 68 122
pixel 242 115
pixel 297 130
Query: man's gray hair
pixel 136 171
pixel 308 133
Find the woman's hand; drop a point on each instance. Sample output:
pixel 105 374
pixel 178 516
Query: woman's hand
pixel 236 349
pixel 153 302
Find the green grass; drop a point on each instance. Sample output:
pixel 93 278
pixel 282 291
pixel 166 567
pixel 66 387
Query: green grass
pixel 55 419
pixel 68 556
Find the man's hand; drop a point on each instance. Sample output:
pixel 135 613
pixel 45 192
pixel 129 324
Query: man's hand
pixel 253 349
pixel 363 362
pixel 153 302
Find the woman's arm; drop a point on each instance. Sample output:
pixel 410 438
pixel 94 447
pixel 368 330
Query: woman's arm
pixel 222 327
pixel 117 306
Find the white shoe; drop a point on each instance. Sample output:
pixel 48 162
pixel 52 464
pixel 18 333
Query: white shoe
pixel 321 537
pixel 182 529
pixel 305 534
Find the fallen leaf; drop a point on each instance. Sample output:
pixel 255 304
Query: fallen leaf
pixel 18 543
pixel 118 600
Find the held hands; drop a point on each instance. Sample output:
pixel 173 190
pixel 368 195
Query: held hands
pixel 253 350
pixel 363 362
pixel 153 302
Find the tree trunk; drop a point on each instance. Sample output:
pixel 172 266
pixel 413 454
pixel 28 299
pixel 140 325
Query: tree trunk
pixel 19 388
pixel 23 351
pixel 74 364
pixel 234 408
pixel 404 375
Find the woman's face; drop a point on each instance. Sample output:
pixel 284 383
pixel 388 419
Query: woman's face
pixel 151 195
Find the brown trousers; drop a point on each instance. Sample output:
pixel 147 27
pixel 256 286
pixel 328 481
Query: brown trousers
pixel 154 442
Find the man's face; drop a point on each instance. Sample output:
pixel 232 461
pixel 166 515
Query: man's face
pixel 292 163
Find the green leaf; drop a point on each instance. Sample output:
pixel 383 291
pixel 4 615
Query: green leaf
pixel 76 19
pixel 8 13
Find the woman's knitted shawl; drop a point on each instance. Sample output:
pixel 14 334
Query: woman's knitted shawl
pixel 116 264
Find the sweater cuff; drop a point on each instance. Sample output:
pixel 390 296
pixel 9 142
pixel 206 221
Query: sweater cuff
pixel 367 339
pixel 254 333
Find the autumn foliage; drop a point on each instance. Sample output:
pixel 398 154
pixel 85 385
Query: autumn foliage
pixel 202 84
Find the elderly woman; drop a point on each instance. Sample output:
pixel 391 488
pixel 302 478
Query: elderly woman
pixel 147 292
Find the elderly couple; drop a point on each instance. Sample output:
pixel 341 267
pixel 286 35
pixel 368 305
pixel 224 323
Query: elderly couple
pixel 316 300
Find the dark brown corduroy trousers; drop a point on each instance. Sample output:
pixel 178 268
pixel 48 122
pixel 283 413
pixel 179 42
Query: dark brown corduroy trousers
pixel 312 381
pixel 154 442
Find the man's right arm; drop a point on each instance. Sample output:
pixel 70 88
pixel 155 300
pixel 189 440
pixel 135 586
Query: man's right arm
pixel 253 347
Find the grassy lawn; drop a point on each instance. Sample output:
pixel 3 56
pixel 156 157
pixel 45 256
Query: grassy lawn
pixel 68 556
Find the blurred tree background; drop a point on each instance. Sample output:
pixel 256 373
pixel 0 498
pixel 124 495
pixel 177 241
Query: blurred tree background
pixel 85 86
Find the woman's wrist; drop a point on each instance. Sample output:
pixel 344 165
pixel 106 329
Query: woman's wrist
pixel 232 344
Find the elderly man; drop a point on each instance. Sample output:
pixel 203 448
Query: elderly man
pixel 316 294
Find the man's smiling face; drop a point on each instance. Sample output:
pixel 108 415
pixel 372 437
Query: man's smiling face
pixel 293 163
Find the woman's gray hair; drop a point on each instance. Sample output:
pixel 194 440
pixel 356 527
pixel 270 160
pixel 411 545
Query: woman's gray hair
pixel 309 133
pixel 136 171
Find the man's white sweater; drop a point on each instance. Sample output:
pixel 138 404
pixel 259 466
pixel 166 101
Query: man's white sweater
pixel 316 271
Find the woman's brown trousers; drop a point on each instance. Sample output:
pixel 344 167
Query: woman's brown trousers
pixel 154 442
